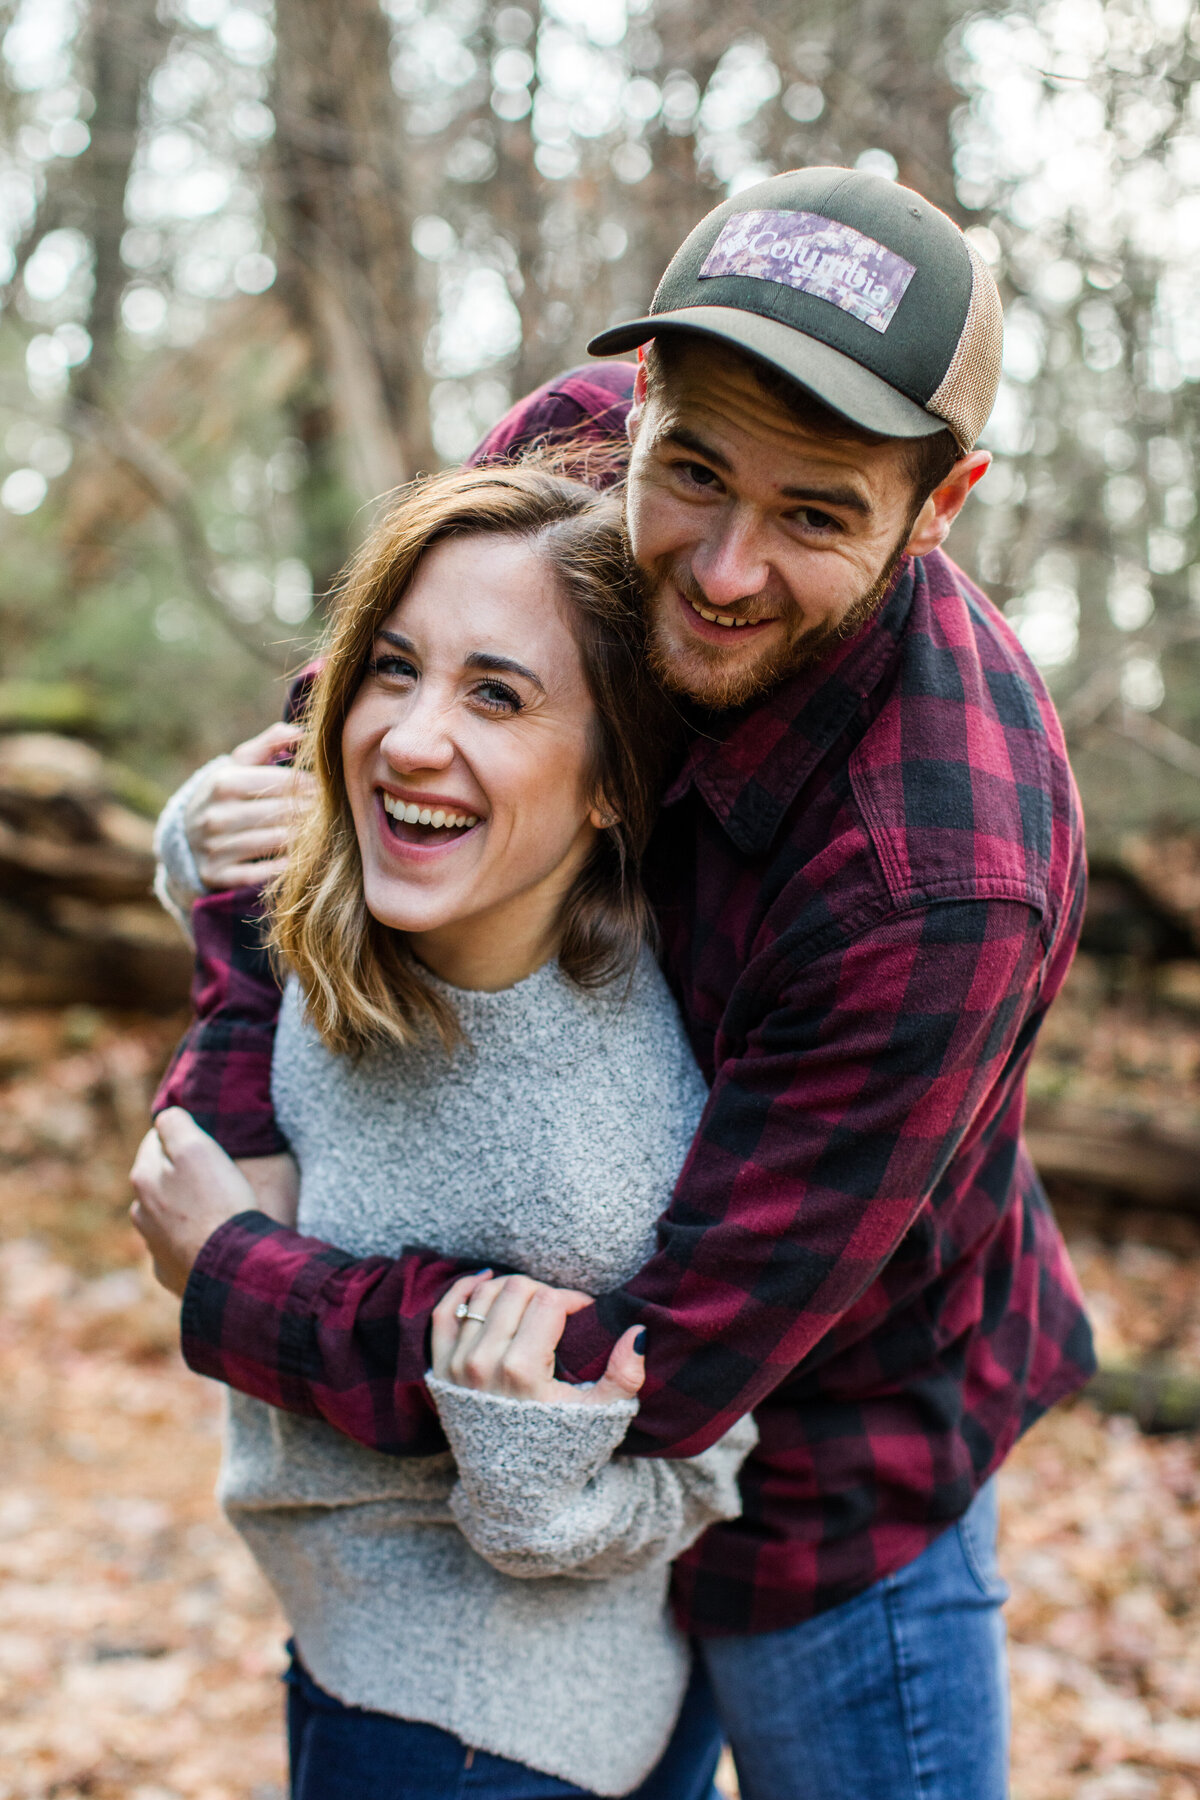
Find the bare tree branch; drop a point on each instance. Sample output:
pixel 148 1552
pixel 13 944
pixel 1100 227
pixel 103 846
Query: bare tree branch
pixel 172 492
pixel 1152 735
pixel 1095 696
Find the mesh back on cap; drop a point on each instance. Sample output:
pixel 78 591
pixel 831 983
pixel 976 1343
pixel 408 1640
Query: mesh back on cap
pixel 967 392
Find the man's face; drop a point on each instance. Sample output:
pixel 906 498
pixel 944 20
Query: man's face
pixel 735 510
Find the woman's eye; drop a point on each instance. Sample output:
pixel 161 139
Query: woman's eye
pixel 393 668
pixel 495 697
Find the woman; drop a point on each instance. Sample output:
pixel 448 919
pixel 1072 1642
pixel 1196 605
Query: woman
pixel 477 1050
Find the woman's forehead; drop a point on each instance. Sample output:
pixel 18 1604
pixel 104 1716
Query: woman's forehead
pixel 492 593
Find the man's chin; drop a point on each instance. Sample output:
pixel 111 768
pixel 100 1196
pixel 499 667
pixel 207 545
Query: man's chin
pixel 709 678
pixel 721 679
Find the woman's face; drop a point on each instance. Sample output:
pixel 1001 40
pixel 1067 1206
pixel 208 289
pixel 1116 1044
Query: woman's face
pixel 466 755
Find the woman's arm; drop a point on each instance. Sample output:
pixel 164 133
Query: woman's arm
pixel 539 1492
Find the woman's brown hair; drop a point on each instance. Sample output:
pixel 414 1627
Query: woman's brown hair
pixel 361 983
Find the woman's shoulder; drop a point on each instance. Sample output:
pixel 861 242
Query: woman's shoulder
pixel 634 1059
pixel 632 1018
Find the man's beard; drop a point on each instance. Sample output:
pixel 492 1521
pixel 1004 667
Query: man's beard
pixel 706 675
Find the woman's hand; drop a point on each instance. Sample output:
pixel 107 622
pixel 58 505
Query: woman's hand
pixel 507 1345
pixel 186 1186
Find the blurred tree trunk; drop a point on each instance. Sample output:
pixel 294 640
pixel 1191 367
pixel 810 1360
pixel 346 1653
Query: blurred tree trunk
pixel 882 71
pixel 887 88
pixel 518 198
pixel 343 223
pixel 120 44
pixel 123 42
pixel 677 192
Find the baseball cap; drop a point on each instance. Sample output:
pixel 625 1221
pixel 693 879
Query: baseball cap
pixel 854 286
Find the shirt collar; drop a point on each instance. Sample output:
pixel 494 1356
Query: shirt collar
pixel 750 773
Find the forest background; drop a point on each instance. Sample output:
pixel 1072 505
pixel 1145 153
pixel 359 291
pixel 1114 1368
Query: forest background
pixel 260 264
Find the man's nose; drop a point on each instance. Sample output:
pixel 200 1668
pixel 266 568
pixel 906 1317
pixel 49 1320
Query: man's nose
pixel 732 565
pixel 422 738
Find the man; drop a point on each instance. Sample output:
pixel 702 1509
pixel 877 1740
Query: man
pixel 869 876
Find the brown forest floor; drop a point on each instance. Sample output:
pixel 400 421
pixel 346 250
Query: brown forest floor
pixel 139 1651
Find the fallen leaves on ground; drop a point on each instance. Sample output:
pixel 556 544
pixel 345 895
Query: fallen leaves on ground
pixel 1112 1045
pixel 140 1651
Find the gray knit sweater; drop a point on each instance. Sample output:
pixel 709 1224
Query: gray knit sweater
pixel 513 1593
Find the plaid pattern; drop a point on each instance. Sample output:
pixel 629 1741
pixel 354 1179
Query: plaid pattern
pixel 221 1069
pixel 325 1312
pixel 586 407
pixel 870 888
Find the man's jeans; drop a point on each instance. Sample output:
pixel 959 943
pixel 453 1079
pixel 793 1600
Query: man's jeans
pixel 900 1694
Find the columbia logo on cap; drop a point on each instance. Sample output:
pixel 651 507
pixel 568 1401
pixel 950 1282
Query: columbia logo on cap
pixel 856 287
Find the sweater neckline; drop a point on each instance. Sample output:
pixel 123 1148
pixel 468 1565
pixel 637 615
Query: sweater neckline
pixel 499 1003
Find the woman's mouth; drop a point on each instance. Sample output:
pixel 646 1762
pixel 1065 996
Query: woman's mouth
pixel 418 823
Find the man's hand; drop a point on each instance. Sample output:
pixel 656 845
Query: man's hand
pixel 511 1351
pixel 238 822
pixel 186 1186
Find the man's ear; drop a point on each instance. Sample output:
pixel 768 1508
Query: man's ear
pixel 633 417
pixel 932 524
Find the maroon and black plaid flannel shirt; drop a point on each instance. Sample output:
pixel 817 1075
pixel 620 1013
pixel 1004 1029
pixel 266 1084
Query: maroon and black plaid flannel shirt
pixel 870 888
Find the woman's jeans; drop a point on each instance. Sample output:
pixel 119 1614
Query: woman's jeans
pixel 344 1753
pixel 900 1694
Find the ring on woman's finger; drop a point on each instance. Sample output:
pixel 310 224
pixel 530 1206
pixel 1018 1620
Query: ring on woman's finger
pixel 463 1311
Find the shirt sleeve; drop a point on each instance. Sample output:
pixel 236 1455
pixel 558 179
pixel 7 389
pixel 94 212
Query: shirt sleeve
pixel 582 407
pixel 826 1132
pixel 823 1138
pixel 540 1493
pixel 221 1070
pixel 306 1327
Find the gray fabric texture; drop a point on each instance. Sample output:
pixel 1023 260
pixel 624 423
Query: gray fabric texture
pixel 514 1591
pixel 177 882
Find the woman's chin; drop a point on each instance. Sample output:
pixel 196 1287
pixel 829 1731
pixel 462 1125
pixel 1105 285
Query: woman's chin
pixel 404 911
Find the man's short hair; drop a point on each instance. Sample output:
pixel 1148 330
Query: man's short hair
pixel 927 460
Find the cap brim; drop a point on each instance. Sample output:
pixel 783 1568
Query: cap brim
pixel 844 385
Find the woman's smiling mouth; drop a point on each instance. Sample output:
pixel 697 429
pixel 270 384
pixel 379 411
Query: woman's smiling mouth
pixel 426 822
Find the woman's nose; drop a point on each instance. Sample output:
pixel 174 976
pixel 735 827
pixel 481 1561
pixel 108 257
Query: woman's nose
pixel 421 738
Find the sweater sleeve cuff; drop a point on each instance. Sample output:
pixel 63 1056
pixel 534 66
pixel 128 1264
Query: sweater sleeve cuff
pixel 521 1458
pixel 177 880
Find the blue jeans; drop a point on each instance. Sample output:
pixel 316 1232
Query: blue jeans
pixel 900 1694
pixel 339 1752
